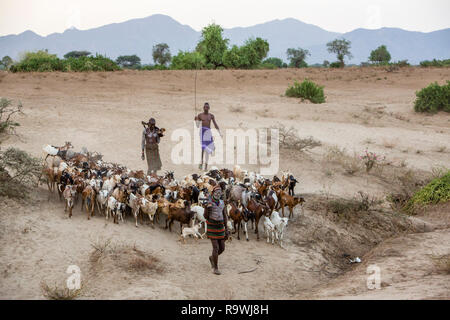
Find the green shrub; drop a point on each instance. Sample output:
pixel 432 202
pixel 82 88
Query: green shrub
pixel 188 60
pixel 433 98
pixel 437 191
pixel 306 90
pixel 277 62
pixel 336 65
pixel 435 63
pixel 42 61
pixel 97 63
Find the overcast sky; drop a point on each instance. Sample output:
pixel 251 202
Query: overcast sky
pixel 48 16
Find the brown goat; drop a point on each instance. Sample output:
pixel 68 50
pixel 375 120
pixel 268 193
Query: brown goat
pixel 259 210
pixel 182 215
pixel 88 195
pixel 287 200
pixel 237 216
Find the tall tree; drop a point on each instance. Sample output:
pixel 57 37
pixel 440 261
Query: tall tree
pixel 161 54
pixel 380 55
pixel 342 48
pixel 212 45
pixel 76 54
pixel 131 62
pixel 297 57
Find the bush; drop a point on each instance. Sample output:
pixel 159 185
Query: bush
pixel 188 60
pixel 154 67
pixel 277 62
pixel 437 191
pixel 336 65
pixel 97 63
pixel 42 61
pixel 307 90
pixel 7 124
pixel 435 63
pixel 289 139
pixel 433 98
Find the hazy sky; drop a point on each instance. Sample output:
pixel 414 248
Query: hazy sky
pixel 48 16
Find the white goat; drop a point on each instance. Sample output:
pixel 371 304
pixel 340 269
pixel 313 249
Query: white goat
pixel 111 207
pixel 191 231
pixel 280 224
pixel 199 215
pixel 102 201
pixel 269 229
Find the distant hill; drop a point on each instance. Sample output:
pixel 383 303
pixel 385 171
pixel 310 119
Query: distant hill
pixel 138 36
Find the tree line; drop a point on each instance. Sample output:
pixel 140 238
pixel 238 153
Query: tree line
pixel 212 52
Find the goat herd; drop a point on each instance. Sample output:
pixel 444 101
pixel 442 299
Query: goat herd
pixel 117 191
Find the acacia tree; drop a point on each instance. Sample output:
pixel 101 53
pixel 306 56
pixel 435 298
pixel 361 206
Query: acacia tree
pixel 380 55
pixel 76 54
pixel 212 45
pixel 131 62
pixel 297 57
pixel 161 54
pixel 342 48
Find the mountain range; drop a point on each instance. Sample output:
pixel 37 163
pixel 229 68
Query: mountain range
pixel 138 36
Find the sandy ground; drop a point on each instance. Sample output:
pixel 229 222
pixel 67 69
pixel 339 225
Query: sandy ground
pixel 102 111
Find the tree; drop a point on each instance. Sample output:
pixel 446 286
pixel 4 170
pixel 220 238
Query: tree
pixel 6 62
pixel 342 48
pixel 326 63
pixel 131 62
pixel 248 56
pixel 380 55
pixel 76 54
pixel 297 57
pixel 212 45
pixel 161 54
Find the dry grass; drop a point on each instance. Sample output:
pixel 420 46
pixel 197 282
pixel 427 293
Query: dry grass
pixel 442 263
pixel 337 155
pixel 126 256
pixel 58 293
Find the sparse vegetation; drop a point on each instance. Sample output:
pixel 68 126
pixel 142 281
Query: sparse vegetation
pixel 306 90
pixel 433 98
pixel 362 202
pixel 370 159
pixel 18 169
pixel 126 256
pixel 437 191
pixel 289 139
pixel 435 63
pixel 442 263
pixel 58 293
